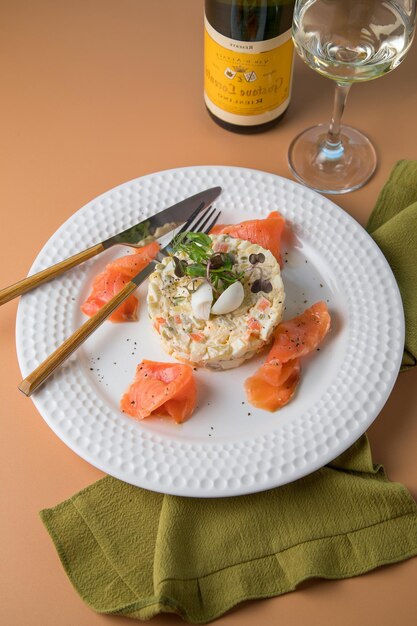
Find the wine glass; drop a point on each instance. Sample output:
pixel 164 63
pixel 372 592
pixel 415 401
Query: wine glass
pixel 349 41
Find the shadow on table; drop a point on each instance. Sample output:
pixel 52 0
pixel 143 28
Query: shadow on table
pixel 394 431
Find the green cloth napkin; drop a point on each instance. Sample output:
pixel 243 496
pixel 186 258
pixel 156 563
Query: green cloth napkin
pixel 133 552
pixel 393 225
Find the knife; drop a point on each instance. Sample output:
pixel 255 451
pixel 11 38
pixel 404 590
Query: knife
pixel 152 227
pixel 35 379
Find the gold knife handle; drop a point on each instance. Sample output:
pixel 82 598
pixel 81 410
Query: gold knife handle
pixel 8 293
pixel 45 369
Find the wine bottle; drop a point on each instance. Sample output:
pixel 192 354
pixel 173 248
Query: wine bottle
pixel 248 58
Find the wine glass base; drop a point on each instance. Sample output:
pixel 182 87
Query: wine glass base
pixel 332 172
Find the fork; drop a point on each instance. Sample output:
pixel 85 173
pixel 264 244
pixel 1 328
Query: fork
pixel 33 381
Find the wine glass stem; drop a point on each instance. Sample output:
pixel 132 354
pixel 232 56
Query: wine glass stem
pixel 332 148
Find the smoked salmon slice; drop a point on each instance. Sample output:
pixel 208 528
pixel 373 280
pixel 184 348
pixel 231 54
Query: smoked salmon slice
pixel 274 383
pixel 264 232
pixel 166 389
pixel 300 335
pixel 112 280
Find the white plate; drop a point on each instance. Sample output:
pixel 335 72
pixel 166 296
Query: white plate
pixel 228 447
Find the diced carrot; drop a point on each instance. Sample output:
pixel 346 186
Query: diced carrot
pixel 199 337
pixel 221 246
pixel 159 321
pixel 254 325
pixel 177 319
pixel 263 304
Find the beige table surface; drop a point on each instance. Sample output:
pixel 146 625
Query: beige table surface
pixel 94 93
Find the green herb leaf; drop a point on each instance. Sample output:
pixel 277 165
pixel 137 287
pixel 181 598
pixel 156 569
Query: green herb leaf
pixel 195 270
pixel 200 238
pixel 197 246
pixel 197 253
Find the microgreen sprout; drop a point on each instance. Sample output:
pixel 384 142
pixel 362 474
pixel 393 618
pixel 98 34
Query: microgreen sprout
pixel 216 267
pixel 260 284
pixel 256 258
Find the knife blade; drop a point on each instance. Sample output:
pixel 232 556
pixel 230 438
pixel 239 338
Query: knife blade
pixel 148 228
pixel 173 215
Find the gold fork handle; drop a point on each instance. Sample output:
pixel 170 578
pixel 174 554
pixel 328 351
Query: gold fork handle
pixel 45 369
pixel 8 293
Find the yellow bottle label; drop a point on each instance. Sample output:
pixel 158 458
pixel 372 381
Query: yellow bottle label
pixel 247 82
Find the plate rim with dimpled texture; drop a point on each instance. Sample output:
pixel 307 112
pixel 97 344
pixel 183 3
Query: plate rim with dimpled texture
pixel 366 346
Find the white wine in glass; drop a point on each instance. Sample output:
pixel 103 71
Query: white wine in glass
pixel 349 41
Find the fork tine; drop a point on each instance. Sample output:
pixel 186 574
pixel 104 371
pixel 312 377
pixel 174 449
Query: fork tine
pixel 210 226
pixel 203 220
pixel 192 217
pixel 189 226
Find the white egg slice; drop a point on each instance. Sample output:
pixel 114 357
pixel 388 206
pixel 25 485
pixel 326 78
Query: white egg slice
pixel 229 300
pixel 201 301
